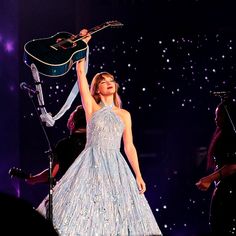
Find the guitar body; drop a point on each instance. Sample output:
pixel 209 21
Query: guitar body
pixel 54 56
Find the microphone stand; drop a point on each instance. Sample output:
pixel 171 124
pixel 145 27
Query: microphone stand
pixel 49 210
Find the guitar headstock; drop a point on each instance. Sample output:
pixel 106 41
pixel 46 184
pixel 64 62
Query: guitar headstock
pixel 17 172
pixel 114 23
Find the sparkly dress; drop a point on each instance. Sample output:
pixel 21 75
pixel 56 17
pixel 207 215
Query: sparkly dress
pixel 98 194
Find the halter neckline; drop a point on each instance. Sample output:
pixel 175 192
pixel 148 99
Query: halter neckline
pixel 102 104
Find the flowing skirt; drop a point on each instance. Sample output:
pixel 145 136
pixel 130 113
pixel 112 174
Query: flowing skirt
pixel 98 195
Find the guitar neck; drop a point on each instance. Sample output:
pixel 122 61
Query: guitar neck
pixel 92 31
pixel 99 28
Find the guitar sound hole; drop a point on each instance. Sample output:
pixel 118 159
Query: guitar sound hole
pixel 65 43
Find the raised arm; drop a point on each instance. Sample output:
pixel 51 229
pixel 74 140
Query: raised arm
pixel 86 97
pixel 88 101
pixel 131 152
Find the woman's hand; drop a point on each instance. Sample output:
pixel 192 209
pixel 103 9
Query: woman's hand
pixel 86 35
pixel 141 184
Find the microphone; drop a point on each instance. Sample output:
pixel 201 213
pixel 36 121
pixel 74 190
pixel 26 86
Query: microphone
pixel 26 87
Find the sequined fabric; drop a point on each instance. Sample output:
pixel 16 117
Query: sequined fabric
pixel 98 194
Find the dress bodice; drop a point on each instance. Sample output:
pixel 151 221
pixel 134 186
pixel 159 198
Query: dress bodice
pixel 105 129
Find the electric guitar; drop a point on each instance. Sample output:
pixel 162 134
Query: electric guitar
pixel 20 174
pixel 55 55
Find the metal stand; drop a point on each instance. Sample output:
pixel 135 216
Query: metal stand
pixel 50 154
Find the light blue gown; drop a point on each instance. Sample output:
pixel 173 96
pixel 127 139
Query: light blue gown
pixel 98 194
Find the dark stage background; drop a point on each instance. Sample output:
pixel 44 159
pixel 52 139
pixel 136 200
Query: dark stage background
pixel 167 58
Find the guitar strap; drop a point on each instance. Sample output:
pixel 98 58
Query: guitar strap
pixel 47 116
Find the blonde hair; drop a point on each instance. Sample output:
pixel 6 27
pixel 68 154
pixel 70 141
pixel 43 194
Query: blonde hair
pixel 94 88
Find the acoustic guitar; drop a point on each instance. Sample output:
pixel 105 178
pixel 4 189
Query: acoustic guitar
pixel 54 56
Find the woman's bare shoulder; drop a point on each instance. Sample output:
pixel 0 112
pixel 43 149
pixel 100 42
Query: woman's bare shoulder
pixel 123 113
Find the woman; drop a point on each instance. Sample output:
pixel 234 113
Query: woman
pixel 99 195
pixel 222 158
